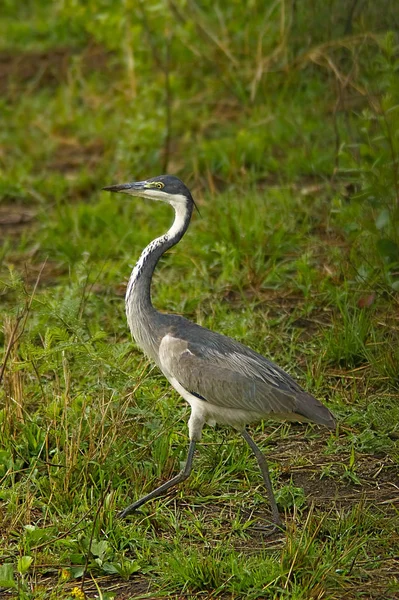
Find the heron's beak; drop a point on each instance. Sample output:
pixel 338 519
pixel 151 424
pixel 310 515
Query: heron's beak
pixel 127 188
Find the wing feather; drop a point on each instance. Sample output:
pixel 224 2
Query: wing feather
pixel 231 380
pixel 229 375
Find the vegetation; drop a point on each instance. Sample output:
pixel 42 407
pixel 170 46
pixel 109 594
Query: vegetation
pixel 283 118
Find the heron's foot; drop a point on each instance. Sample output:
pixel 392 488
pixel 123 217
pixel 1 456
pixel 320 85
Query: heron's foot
pixel 162 489
pixel 129 510
pixel 270 529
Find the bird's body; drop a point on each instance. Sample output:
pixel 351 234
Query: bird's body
pixel 226 382
pixel 223 380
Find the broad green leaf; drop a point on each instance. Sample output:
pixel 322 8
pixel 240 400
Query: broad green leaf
pixel 24 563
pixel 383 219
pixel 7 576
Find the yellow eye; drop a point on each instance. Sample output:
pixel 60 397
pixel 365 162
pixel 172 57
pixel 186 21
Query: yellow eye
pixel 159 185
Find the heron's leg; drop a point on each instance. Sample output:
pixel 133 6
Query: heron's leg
pixel 266 477
pixel 165 486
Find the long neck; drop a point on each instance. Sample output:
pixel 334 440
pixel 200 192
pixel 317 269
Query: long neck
pixel 138 294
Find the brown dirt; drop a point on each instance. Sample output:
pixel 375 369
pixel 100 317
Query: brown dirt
pixel 71 155
pixel 48 68
pixel 378 476
pixel 13 218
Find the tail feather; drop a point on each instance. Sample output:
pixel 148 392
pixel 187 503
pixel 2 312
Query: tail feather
pixel 313 410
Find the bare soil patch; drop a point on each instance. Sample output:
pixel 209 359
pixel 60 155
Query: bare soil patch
pixel 47 68
pixel 13 218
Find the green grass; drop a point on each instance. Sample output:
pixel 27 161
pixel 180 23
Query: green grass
pixel 295 254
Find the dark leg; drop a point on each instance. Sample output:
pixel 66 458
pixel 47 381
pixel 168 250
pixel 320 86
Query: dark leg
pixel 266 477
pixel 165 486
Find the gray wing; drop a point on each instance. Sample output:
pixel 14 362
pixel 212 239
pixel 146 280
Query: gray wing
pixel 232 376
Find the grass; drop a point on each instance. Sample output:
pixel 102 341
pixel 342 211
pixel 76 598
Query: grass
pixel 295 254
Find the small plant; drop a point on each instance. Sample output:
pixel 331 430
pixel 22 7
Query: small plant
pixel 345 341
pixel 291 496
pixel 7 576
pixel 350 469
pixel 372 166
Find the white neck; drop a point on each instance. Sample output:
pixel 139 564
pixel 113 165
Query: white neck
pixel 138 297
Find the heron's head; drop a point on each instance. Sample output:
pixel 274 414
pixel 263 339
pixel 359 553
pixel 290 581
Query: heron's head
pixel 166 188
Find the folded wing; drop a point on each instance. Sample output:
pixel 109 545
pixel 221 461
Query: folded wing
pixel 229 375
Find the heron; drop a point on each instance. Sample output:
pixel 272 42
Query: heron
pixel 222 380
